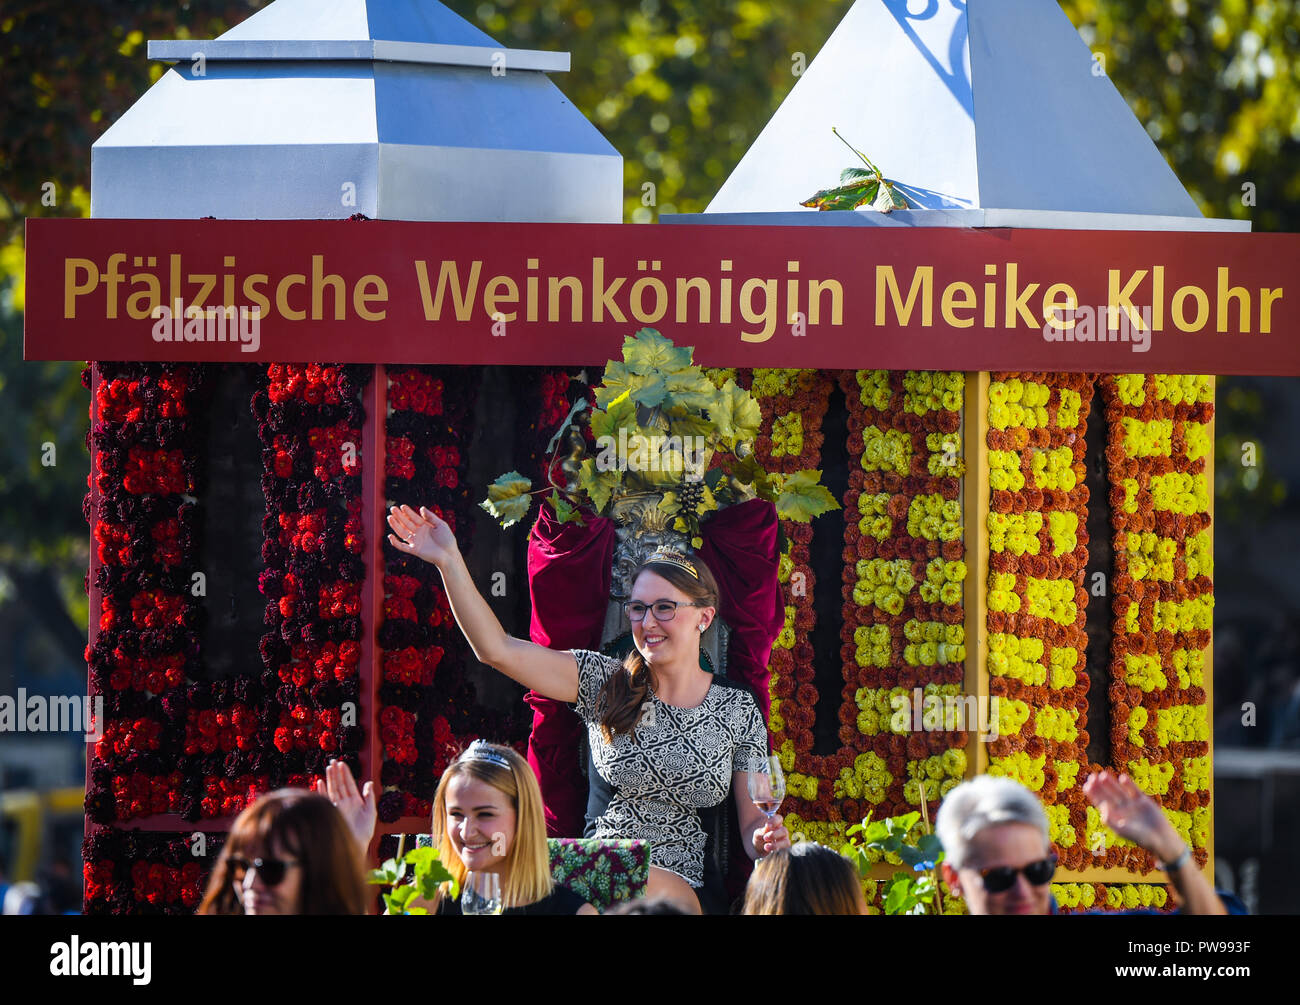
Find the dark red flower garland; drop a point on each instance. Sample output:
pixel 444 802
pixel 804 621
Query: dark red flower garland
pixel 427 436
pixel 130 872
pixel 310 421
pixel 146 472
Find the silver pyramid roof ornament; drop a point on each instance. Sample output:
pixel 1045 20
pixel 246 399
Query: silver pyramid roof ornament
pixel 319 109
pixel 989 112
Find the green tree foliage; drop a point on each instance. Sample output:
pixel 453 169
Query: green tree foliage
pixel 1217 85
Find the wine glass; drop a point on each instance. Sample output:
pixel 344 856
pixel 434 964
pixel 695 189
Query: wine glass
pixel 766 791
pixel 482 894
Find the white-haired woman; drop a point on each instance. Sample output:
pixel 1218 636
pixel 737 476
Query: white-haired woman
pixel 998 857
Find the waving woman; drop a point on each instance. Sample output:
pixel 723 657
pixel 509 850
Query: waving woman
pixel 668 738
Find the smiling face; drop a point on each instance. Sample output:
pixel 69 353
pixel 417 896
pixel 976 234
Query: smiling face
pixel 258 896
pixel 1014 845
pixel 480 823
pixel 675 640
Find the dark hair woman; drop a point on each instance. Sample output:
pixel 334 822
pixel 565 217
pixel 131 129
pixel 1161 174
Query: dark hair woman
pixel 289 853
pixel 668 738
pixel 807 879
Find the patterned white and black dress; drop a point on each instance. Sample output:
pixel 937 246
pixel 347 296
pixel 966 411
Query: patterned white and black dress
pixel 652 784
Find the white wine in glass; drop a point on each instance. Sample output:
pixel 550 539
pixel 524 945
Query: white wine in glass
pixel 482 894
pixel 766 791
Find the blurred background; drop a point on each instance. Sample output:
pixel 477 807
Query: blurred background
pixel 680 88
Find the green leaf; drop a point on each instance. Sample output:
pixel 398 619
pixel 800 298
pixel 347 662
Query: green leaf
pixel 508 498
pixel 855 174
pixel 803 497
pixel 598 485
pixel 618 381
pixel 844 196
pixel 735 413
pixel 565 512
pixel 712 478
pixel 399 898
pixel 689 389
pixel 619 414
pixel 649 391
pixel 899 898
pixel 747 470
pixel 904 823
pixel 647 351
pixel 854 829
pixel 911 856
pixel 669 504
pixel 889 199
pixel 684 424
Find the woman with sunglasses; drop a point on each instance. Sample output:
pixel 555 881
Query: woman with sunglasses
pixel 291 852
pixel 997 855
pixel 668 738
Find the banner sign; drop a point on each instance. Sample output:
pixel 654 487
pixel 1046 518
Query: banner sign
pixel 566 294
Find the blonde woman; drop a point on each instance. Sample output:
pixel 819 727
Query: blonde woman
pixel 487 818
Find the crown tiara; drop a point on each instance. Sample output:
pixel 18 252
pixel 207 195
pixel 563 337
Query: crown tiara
pixel 481 750
pixel 666 556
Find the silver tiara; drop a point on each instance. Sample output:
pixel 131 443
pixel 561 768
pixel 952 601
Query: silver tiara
pixel 481 750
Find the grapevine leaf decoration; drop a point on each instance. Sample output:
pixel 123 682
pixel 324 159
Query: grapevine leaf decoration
pixel 565 512
pixel 618 414
pixel 688 390
pixel 599 485
pixel 662 427
pixel 803 497
pixel 735 413
pixel 859 187
pixel 648 352
pixel 618 381
pixel 649 391
pixel 508 498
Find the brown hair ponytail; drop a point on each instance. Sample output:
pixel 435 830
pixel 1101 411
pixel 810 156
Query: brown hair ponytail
pixel 629 688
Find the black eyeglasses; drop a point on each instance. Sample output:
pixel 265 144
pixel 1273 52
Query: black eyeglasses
pixel 664 610
pixel 1003 877
pixel 272 870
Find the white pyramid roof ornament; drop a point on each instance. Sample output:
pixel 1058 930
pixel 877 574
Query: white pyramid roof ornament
pixel 988 112
pixel 319 109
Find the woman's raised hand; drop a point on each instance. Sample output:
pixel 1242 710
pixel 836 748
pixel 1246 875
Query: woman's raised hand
pixel 358 808
pixel 424 535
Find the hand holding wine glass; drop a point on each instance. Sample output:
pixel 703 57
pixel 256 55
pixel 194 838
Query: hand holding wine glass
pixel 766 792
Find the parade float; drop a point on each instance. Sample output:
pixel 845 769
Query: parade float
pixel 961 526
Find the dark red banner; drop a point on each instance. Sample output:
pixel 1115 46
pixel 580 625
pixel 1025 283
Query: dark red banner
pixel 560 294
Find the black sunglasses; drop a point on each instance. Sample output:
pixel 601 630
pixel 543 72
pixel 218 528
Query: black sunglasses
pixel 272 870
pixel 1003 877
pixel 664 610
